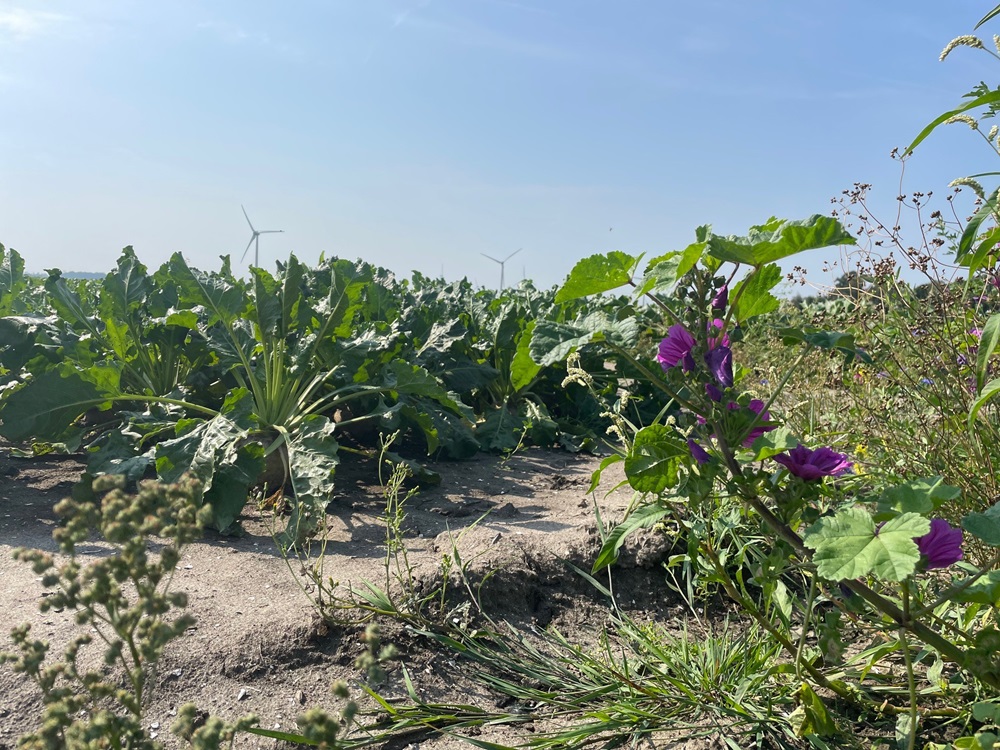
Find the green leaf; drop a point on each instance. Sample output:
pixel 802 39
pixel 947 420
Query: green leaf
pixel 918 496
pixel 773 442
pixel 47 405
pixel 663 273
pixel 984 591
pixel 552 342
pixel 987 345
pixel 986 394
pixel 643 518
pixel 596 274
pixel 847 545
pixel 595 477
pixel 971 233
pixel 831 340
pixel 502 430
pixel 523 369
pixel 753 294
pixel 231 482
pixel 984 526
pixel 652 462
pixel 811 716
pixel 11 279
pixel 987 98
pixel 312 461
pixel 777 239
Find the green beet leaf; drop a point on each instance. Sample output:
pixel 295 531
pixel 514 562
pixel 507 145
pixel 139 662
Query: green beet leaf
pixel 847 545
pixel 523 369
pixel 312 461
pixel 552 342
pixel 47 405
pixel 596 274
pixel 777 239
pixel 652 462
pixel 984 526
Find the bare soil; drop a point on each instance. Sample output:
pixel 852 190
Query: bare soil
pixel 259 645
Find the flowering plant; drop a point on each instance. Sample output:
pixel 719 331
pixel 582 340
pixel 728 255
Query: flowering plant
pixel 720 437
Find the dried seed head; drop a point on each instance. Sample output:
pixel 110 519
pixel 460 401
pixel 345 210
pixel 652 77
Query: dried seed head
pixel 970 121
pixel 966 40
pixel 969 183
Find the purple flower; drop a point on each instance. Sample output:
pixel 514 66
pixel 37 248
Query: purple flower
pixel 676 348
pixel 757 407
pixel 721 298
pixel 941 546
pixel 700 454
pixel 713 393
pixel 715 341
pixel 720 364
pixel 813 464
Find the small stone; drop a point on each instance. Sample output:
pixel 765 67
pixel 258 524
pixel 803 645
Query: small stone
pixel 300 697
pixel 243 694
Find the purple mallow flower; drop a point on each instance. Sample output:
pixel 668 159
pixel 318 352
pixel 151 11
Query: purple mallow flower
pixel 700 454
pixel 721 298
pixel 676 348
pixel 813 464
pixel 757 407
pixel 720 364
pixel 941 546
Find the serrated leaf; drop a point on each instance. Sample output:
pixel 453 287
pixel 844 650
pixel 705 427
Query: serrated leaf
pixel 663 273
pixel 652 461
pixel 777 239
pixel 984 591
pixel 984 526
pixel 917 496
pixel 773 442
pixel 847 545
pixel 596 274
pixel 753 294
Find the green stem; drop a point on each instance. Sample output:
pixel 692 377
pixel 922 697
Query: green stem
pixel 807 614
pixel 911 683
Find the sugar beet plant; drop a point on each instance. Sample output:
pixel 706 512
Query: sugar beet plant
pixel 864 560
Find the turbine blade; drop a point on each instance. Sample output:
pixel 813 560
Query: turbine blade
pixel 270 231
pixel 491 258
pixel 513 254
pixel 252 238
pixel 248 218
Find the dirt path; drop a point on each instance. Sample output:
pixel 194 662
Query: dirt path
pixel 258 645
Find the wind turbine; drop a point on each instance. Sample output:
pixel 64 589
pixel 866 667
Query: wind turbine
pixel 502 262
pixel 255 239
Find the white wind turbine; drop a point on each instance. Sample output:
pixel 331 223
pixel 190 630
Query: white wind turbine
pixel 255 240
pixel 502 262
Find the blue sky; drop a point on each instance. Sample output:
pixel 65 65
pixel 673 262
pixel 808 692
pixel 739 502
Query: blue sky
pixel 420 134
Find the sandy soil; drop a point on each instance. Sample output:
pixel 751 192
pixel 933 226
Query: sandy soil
pixel 259 645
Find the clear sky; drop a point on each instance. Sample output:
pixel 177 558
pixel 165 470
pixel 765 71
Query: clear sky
pixel 418 134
